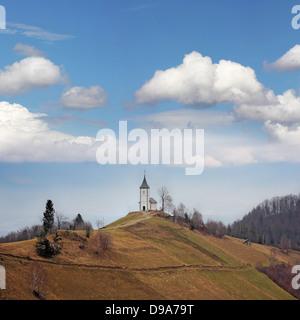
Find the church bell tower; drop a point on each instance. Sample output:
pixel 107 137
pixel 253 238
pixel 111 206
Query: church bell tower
pixel 144 195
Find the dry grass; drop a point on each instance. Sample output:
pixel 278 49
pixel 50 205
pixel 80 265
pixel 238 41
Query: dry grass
pixel 151 259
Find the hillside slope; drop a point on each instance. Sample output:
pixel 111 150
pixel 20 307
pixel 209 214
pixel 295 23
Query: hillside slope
pixel 150 258
pixel 272 222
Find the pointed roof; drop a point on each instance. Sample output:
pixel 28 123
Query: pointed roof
pixel 144 184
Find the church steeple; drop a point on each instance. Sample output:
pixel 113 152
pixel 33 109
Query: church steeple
pixel 144 184
pixel 146 203
pixel 144 195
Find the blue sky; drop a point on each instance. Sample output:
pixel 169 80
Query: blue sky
pixel 71 68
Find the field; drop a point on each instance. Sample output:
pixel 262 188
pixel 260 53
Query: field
pixel 149 258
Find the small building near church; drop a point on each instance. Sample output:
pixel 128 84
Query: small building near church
pixel 153 204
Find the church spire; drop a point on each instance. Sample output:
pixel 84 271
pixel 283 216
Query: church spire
pixel 144 184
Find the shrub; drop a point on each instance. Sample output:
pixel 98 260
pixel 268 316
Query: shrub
pixel 100 242
pixel 88 229
pixel 281 274
pixel 45 248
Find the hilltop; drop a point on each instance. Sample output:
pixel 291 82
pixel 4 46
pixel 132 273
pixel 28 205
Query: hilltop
pixel 149 257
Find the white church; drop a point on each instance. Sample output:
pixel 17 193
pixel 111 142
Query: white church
pixel 146 202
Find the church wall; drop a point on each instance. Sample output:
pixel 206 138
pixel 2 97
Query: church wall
pixel 144 199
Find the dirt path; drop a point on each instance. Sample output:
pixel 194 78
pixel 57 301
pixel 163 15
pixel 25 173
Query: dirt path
pixel 132 222
pixel 162 268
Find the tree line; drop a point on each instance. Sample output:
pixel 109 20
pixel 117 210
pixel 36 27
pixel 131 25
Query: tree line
pixel 273 222
pixel 52 221
pixel 47 248
pixel 192 219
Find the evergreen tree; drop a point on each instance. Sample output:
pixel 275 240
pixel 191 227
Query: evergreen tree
pixel 45 248
pixel 57 244
pixel 48 219
pixel 78 222
pixel 78 219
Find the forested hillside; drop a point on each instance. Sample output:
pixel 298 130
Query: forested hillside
pixel 273 222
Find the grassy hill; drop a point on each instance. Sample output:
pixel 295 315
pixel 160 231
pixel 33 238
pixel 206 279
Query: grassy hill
pixel 150 258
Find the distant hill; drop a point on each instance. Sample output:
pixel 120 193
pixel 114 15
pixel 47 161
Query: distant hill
pixel 149 257
pixel 273 222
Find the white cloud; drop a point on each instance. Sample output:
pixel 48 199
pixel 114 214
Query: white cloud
pixel 27 74
pixel 28 51
pixel 186 118
pixel 231 150
pixel 284 108
pixel 80 98
pixel 210 162
pixel 8 31
pixel 44 35
pixel 282 125
pixel 281 145
pixel 197 81
pixel 25 137
pixel 236 147
pixel 288 135
pixel 67 117
pixel 35 32
pixel 221 148
pixel 23 26
pixel 290 61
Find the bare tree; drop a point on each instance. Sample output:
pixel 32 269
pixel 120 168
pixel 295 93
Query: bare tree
pixel 38 280
pixel 197 220
pixel 221 230
pixel 22 234
pixel 181 210
pixel 284 245
pixel 100 242
pixel 217 229
pixel 100 223
pixel 165 198
pixel 88 228
pixel 61 220
pixel 211 227
pixel 169 203
pixel 175 214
